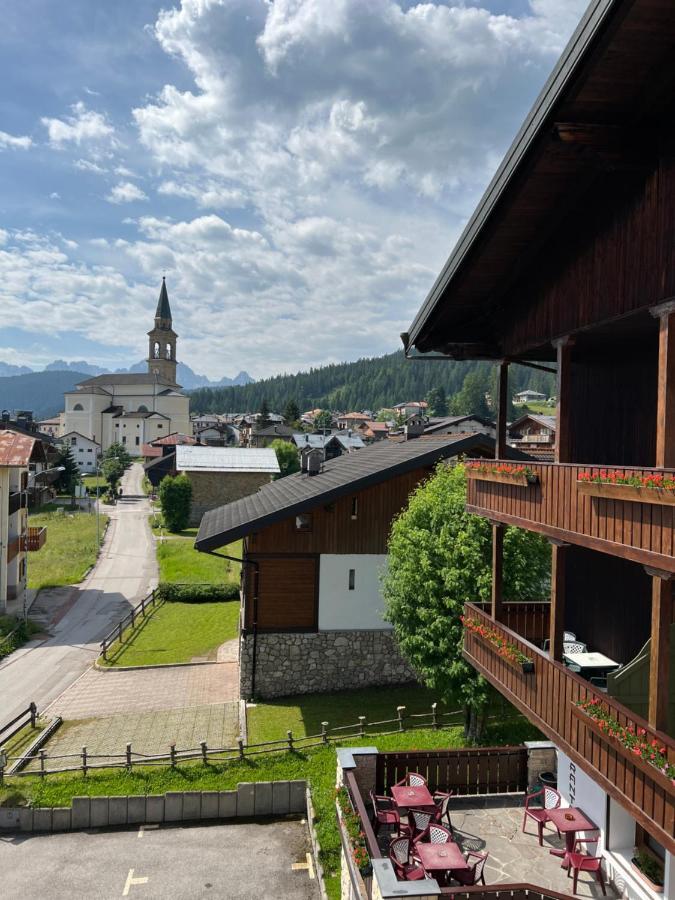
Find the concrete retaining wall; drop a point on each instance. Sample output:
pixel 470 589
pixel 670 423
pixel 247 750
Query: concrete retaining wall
pixel 262 798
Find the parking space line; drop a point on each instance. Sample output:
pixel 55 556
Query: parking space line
pixel 308 866
pixel 143 879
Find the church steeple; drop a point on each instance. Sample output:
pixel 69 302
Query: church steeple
pixel 162 340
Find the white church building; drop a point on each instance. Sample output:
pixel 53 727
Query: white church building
pixel 136 408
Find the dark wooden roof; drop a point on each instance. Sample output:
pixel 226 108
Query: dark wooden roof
pixel 346 474
pixel 596 112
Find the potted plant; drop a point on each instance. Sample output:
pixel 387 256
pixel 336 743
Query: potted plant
pixel 649 869
pixel 504 473
pixel 497 642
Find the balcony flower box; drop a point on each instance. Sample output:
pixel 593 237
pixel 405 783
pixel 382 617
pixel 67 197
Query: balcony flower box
pixel 496 642
pixel 503 473
pixel 618 485
pixel 634 743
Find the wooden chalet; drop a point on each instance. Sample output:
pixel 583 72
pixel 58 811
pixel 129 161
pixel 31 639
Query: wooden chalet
pixel 568 263
pixel 314 545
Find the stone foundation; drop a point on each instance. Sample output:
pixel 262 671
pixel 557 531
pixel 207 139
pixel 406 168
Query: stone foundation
pixel 307 663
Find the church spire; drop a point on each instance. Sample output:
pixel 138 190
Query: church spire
pixel 163 313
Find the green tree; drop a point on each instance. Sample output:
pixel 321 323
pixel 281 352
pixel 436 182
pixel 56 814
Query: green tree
pixel 291 412
pixel 264 420
pixel 175 496
pixel 440 558
pixel 324 419
pixel 471 399
pixel 112 470
pixel 70 476
pixel 118 451
pixel 287 457
pixel 438 402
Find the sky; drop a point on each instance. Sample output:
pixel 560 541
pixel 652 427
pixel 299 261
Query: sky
pixel 299 169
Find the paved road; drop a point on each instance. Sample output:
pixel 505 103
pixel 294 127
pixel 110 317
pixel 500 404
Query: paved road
pixel 222 862
pixel 126 570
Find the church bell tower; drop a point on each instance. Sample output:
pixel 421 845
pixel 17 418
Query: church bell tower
pixel 162 340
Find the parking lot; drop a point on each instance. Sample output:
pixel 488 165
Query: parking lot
pixel 237 862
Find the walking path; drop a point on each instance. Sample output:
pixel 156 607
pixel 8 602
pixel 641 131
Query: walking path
pixel 126 570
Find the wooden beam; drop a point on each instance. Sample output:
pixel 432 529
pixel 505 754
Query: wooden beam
pixel 659 654
pixel 557 623
pixel 563 436
pixel 497 572
pixel 665 403
pixel 502 407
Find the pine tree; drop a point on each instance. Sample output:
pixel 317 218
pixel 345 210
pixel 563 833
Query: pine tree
pixel 291 412
pixel 264 420
pixel 70 476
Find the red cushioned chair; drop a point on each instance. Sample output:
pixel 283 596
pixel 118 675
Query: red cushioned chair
pixel 475 873
pixel 406 866
pixel 384 813
pixel 585 862
pixel 549 799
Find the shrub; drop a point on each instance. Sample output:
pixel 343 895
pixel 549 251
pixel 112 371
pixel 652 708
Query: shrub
pixel 175 495
pixel 197 593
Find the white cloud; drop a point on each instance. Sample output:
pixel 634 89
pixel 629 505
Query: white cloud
pixel 207 195
pixel 88 165
pixel 126 192
pixel 11 141
pixel 82 127
pixel 55 195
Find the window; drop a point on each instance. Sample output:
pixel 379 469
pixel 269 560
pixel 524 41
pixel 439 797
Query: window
pixel 81 450
pixel 352 579
pixel 88 449
pixel 355 507
pixel 303 522
pixel 160 426
pixel 138 440
pixel 124 439
pixel 78 408
pixel 73 441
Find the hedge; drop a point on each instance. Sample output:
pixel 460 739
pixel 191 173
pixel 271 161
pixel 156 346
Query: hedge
pixel 197 593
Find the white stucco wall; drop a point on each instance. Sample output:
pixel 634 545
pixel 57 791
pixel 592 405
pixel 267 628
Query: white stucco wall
pixel 579 789
pixel 340 608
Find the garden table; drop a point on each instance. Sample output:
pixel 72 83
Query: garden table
pixel 569 820
pixel 440 857
pixel 418 797
pixel 596 661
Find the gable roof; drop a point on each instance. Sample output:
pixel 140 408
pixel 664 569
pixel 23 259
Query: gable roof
pixel 272 430
pixel 174 438
pixel 225 459
pixel 615 72
pixel 79 434
pixel 546 421
pixel 346 474
pixel 437 425
pixel 18 449
pixel 348 442
pixel 125 378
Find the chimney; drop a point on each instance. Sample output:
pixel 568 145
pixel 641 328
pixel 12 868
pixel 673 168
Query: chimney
pixel 314 461
pixel 303 458
pixel 414 427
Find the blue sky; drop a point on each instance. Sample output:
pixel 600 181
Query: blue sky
pixel 299 170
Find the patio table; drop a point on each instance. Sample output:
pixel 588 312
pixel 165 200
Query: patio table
pixel 417 797
pixel 597 661
pixel 569 820
pixel 441 857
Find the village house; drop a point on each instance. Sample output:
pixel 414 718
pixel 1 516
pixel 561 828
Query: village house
pixel 160 456
pixel 315 544
pixel 134 409
pixel 54 427
pixel 17 453
pixel 534 435
pixel 84 451
pixel 568 264
pixel 333 444
pixel 524 397
pixel 223 474
pixel 263 437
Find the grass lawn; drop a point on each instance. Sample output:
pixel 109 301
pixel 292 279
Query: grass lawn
pixel 180 563
pixel 317 765
pixel 177 632
pixel 70 549
pixel 23 739
pixel 537 409
pixel 91 481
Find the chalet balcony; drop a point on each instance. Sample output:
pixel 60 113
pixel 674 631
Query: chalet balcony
pixel 630 522
pixel 13 548
pixel 34 539
pixel 549 694
pixel 17 500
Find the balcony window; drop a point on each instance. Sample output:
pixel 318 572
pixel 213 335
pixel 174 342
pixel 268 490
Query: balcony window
pixel 303 522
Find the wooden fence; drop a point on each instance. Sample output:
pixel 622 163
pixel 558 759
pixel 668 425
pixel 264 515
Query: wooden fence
pixel 138 613
pixel 10 642
pixel 465 772
pixel 14 726
pixel 529 619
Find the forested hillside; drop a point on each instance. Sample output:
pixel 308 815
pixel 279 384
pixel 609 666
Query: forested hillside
pixel 367 384
pixel 40 392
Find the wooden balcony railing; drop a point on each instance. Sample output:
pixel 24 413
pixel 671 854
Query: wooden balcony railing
pixel 13 547
pixel 555 506
pixel 34 539
pixel 17 501
pixel 548 698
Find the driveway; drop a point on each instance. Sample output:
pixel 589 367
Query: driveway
pixel 126 570
pixel 234 861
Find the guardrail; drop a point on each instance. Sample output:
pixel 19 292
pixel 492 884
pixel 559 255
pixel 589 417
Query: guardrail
pixel 129 621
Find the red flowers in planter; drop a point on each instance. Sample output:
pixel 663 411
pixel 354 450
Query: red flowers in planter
pixel 492 636
pixel 353 825
pixel 501 469
pixel 635 741
pixel 655 480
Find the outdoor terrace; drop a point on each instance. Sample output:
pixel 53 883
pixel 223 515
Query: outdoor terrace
pixel 631 522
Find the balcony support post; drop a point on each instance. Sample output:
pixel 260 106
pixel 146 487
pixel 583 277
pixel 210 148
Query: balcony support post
pixel 557 623
pixel 497 571
pixel 665 403
pixel 502 409
pixel 659 653
pixel 563 437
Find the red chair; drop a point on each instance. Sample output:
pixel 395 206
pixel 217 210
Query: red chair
pixel 442 801
pixel 406 866
pixel 419 821
pixel 435 834
pixel 549 799
pixel 474 874
pixel 384 812
pixel 585 862
pixel 412 779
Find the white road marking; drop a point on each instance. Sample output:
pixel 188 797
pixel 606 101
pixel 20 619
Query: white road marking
pixel 140 832
pixel 308 866
pixel 131 881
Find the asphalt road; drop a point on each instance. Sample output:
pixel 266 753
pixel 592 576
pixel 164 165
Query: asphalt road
pixel 233 861
pixel 126 570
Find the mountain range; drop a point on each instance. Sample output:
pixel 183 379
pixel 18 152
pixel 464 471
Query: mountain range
pixel 187 377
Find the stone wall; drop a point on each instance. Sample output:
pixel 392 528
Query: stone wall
pixel 213 489
pixel 307 663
